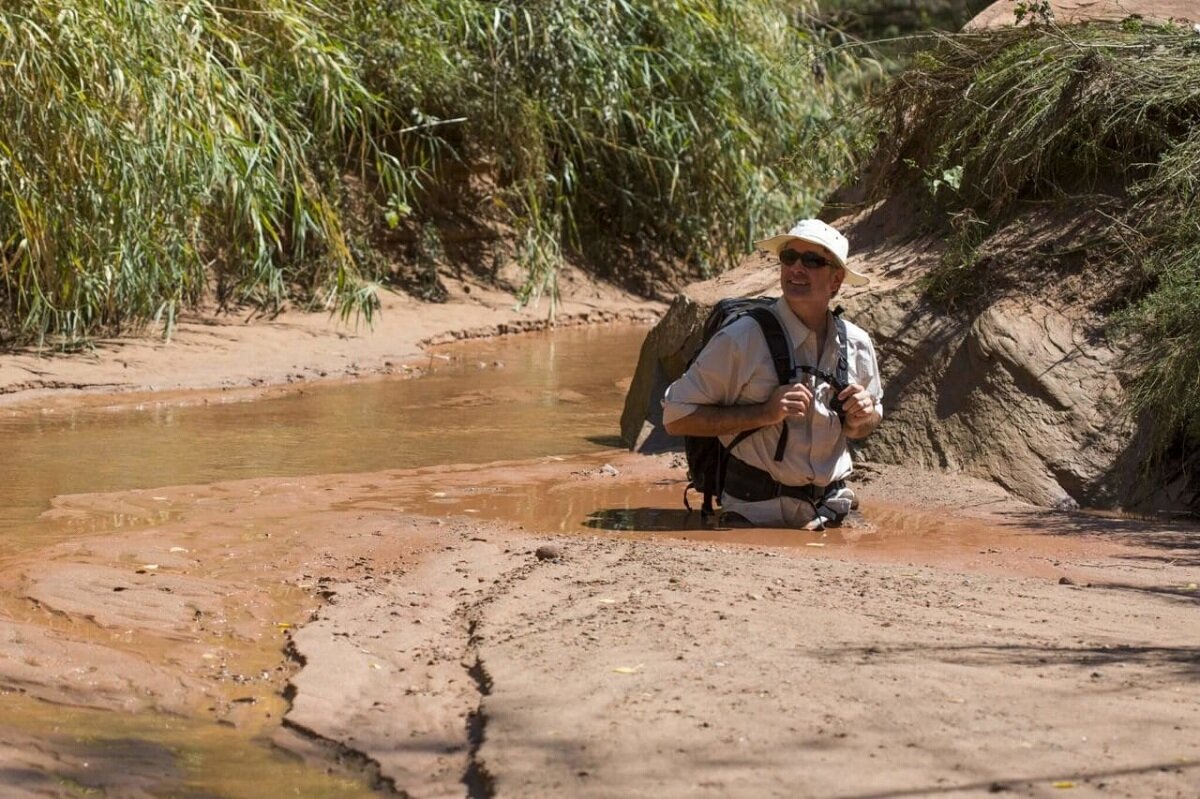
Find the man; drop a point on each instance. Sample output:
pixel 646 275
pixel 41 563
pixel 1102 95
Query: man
pixel 732 386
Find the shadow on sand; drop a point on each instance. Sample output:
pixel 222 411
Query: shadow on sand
pixel 1179 541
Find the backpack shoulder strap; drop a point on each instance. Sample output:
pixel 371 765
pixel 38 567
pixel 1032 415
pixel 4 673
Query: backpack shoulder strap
pixel 777 341
pixel 843 362
pixel 781 356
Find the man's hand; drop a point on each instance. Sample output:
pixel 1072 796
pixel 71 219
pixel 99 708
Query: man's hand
pixel 859 407
pixel 792 400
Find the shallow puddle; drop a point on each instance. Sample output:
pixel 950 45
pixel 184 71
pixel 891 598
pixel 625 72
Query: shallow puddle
pixel 594 498
pixel 99 753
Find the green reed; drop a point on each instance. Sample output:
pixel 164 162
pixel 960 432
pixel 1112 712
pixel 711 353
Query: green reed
pixel 160 154
pixel 154 153
pixel 679 130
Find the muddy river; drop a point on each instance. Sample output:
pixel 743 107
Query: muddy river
pixel 509 398
pixel 514 398
pixel 155 522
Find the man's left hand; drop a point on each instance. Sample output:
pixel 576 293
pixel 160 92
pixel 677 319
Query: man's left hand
pixel 857 402
pixel 861 418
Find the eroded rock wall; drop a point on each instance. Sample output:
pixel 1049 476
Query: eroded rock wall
pixel 1018 395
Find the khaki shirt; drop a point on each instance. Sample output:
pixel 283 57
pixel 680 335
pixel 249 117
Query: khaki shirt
pixel 735 368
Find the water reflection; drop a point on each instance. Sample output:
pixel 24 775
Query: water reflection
pixel 647 520
pixel 101 753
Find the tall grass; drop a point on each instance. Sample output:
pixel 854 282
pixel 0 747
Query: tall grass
pixel 1036 116
pixel 692 127
pixel 156 153
pixel 152 151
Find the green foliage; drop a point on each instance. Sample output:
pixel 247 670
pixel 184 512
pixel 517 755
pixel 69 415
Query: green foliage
pixel 1025 113
pixel 156 153
pixel 956 282
pixel 1163 323
pixel 950 177
pixel 696 126
pixel 152 148
pixel 1034 11
pixel 891 32
pixel 1035 115
pixel 429 253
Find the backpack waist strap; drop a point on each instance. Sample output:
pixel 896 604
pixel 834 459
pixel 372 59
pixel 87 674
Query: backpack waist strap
pixel 751 484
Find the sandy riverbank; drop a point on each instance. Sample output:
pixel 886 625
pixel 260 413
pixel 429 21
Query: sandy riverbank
pixel 246 357
pixel 431 644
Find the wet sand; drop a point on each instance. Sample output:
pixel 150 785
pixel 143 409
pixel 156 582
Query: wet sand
pixel 422 640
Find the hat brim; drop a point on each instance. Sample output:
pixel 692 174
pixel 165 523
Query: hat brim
pixel 776 243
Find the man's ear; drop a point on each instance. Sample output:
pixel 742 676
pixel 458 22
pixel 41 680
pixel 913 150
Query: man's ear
pixel 838 277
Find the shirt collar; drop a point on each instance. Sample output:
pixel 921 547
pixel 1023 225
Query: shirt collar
pixel 797 331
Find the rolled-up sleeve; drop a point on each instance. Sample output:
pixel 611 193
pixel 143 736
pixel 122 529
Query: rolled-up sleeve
pixel 716 377
pixel 866 371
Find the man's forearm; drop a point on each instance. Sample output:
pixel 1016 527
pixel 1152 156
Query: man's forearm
pixel 720 420
pixel 862 426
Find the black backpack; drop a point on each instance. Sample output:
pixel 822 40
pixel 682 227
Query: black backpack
pixel 707 457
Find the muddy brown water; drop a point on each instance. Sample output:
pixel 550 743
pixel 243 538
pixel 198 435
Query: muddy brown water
pixel 508 398
pixel 512 398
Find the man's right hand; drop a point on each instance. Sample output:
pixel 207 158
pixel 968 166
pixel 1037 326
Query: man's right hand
pixel 789 400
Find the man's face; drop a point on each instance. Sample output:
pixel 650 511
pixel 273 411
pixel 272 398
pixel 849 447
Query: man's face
pixel 808 273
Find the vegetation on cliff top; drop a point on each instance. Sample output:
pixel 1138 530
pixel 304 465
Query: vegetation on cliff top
pixel 157 153
pixel 1101 120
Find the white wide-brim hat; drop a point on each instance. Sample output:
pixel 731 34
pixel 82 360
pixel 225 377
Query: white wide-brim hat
pixel 814 231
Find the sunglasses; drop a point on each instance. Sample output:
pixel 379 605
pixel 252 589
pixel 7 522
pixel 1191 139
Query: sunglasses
pixel 810 260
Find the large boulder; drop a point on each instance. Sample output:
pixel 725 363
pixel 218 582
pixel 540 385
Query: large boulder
pixel 1020 393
